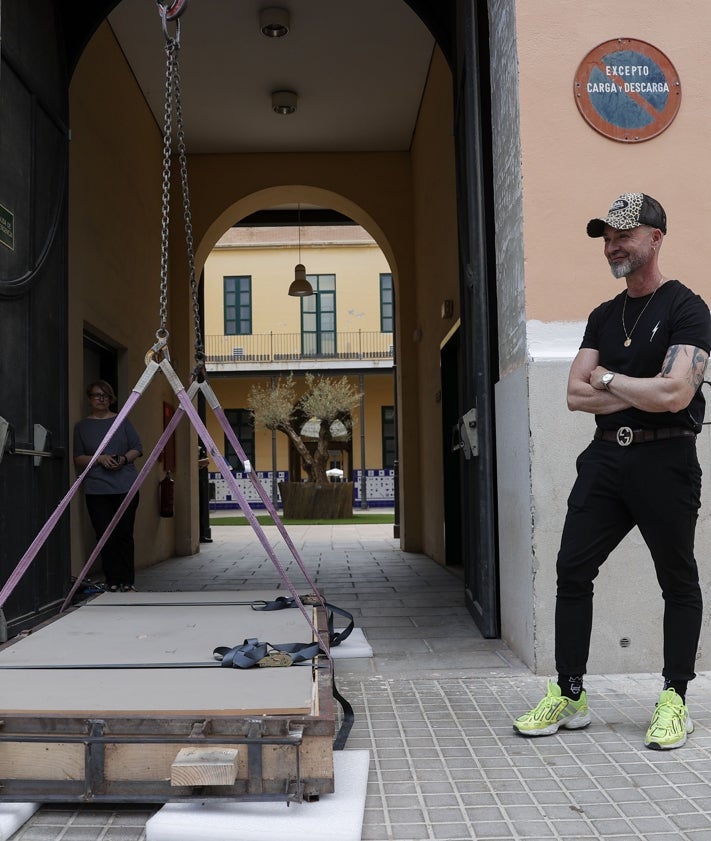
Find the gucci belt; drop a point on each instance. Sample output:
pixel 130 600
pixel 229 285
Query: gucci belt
pixel 625 435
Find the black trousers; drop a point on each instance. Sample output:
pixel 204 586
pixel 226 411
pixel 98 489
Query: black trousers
pixel 655 486
pixel 117 556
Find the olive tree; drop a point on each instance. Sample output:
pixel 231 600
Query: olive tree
pixel 327 400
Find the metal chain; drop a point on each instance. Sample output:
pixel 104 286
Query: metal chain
pixel 170 48
pixel 173 103
pixel 182 158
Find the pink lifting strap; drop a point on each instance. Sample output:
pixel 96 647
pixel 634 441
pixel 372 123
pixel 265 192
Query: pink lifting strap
pixel 226 471
pixel 263 495
pixel 47 528
pixel 151 460
pixel 186 407
pixel 135 487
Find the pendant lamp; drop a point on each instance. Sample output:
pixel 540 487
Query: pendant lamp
pixel 300 287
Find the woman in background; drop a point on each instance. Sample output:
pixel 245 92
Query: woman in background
pixel 108 482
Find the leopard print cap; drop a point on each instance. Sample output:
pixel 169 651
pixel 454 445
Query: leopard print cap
pixel 629 211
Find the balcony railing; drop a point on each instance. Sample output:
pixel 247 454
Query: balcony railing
pixel 286 347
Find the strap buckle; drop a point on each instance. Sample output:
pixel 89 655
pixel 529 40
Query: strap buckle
pixel 624 436
pixel 278 659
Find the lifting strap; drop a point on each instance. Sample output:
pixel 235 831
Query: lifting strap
pixel 255 653
pixel 334 637
pixel 252 652
pixel 158 358
pixel 224 467
pixel 48 527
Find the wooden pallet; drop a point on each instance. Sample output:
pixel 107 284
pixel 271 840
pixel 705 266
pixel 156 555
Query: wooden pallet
pixel 121 700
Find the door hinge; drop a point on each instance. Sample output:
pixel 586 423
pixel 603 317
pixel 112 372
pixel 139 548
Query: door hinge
pixel 465 435
pixel 41 448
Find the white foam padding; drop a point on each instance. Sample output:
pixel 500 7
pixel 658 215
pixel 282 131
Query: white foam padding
pixel 13 815
pixel 354 645
pixel 334 817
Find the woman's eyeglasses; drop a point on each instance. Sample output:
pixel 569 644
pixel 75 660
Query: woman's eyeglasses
pixel 99 395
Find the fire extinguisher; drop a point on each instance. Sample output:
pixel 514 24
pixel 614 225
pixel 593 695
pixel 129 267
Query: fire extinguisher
pixel 166 492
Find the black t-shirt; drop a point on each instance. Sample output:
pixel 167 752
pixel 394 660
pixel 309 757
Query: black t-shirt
pixel 674 316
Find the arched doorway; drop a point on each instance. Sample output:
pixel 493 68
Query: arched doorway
pixel 342 335
pixel 414 209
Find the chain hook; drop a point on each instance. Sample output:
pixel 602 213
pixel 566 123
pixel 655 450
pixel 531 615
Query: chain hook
pixel 171 11
pixel 199 372
pixel 174 9
pixel 159 351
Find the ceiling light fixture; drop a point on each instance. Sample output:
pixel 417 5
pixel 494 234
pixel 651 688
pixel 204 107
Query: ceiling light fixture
pixel 274 22
pixel 284 102
pixel 300 287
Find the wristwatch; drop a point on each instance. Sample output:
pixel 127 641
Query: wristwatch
pixel 606 379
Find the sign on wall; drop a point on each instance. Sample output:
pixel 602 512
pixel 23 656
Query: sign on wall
pixel 627 90
pixel 7 228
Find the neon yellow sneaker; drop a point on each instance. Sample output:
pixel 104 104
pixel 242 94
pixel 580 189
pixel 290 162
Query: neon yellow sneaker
pixel 552 712
pixel 671 723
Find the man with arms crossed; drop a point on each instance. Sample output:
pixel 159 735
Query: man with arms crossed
pixel 639 370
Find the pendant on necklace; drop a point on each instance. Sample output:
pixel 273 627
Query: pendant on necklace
pixel 628 342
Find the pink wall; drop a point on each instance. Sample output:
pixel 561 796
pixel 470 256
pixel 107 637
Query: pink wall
pixel 571 172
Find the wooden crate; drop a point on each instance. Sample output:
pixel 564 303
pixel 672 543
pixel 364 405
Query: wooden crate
pixel 102 703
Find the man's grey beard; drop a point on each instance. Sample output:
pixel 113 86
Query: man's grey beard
pixel 624 268
pixel 621 269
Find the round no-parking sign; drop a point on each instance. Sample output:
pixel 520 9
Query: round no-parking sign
pixel 627 90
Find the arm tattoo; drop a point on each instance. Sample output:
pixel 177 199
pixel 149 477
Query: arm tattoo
pixel 697 365
pixel 670 359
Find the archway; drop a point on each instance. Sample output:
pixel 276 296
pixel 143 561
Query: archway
pixel 341 332
pixel 351 187
pixel 405 193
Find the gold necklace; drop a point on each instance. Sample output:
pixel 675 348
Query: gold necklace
pixel 628 336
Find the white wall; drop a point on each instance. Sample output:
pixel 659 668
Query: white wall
pixel 628 601
pixel 517 572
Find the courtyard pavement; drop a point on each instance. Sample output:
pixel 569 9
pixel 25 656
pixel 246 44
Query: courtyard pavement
pixel 434 708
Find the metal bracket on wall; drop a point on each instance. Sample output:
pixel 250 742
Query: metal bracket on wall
pixel 469 433
pixel 465 435
pixel 42 447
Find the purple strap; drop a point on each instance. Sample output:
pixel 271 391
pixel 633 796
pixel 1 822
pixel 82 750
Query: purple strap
pixel 226 470
pixel 48 527
pixel 133 490
pixel 223 465
pixel 214 404
pixel 264 496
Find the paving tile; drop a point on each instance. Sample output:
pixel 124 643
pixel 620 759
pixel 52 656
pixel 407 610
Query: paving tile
pixel 445 762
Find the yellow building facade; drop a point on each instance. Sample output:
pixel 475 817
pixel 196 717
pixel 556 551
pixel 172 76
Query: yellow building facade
pixel 256 333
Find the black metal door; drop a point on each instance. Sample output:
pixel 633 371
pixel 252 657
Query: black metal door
pixel 450 356
pixel 478 506
pixel 33 310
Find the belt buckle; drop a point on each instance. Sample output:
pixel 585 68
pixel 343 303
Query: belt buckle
pixel 624 436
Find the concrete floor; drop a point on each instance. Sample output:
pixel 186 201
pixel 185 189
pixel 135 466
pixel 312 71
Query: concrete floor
pixel 434 708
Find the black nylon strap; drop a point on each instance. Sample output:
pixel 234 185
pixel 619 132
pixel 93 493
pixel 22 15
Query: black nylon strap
pixel 248 655
pixel 251 651
pixel 241 656
pixel 334 638
pixel 346 722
